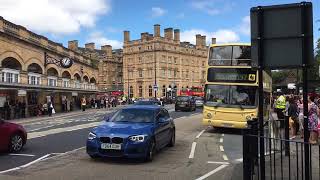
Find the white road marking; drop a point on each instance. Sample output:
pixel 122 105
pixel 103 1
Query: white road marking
pixel 29 155
pixel 221 148
pixel 197 137
pixel 26 165
pixel 239 160
pixel 222 135
pixel 193 148
pixel 212 172
pixel 225 157
pixel 60 130
pixel 217 162
pixel 221 140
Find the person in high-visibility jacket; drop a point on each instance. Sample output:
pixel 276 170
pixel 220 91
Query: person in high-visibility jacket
pixel 280 106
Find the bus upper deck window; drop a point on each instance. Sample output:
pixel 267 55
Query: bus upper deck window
pixel 220 56
pixel 241 56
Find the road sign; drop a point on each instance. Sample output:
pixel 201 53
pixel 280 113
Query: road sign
pixel 155 87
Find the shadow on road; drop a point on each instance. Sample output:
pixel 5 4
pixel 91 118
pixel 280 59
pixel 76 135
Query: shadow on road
pixel 224 131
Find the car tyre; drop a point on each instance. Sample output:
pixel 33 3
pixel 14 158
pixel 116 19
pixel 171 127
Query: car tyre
pixel 16 143
pixel 151 151
pixel 173 138
pixel 94 156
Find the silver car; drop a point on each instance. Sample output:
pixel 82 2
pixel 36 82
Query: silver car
pixel 199 101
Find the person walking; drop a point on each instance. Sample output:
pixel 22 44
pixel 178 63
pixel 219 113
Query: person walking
pixel 280 106
pixel 83 104
pixel 50 107
pixel 293 117
pixel 313 114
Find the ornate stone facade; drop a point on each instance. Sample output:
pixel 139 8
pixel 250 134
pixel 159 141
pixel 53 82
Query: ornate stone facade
pixel 165 61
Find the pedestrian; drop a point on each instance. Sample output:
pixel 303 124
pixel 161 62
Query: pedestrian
pixel 101 103
pixel 280 106
pixel 313 114
pixel 50 108
pixel 293 117
pixel 23 109
pixel 83 104
pixel 7 110
pixel 92 103
pixel 300 116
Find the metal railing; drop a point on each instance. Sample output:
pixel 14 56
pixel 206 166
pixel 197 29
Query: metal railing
pixel 284 159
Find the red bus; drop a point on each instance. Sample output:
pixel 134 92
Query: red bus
pixel 193 91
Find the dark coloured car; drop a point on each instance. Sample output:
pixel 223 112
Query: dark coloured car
pixel 132 132
pixel 185 103
pixel 12 137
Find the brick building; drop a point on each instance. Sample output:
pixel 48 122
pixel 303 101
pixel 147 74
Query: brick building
pixel 166 62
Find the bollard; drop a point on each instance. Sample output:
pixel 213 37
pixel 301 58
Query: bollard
pixel 250 149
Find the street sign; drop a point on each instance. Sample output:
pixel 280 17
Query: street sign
pixel 155 87
pixel 279 33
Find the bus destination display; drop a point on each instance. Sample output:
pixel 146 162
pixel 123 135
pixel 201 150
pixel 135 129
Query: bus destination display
pixel 231 75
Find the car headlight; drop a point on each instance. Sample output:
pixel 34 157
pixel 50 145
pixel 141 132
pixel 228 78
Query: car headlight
pixel 138 138
pixel 92 136
pixel 248 118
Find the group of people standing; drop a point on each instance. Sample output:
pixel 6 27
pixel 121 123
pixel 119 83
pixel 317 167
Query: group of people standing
pixel 99 103
pixel 14 109
pixel 292 107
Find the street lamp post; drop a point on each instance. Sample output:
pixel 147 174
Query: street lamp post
pixel 155 76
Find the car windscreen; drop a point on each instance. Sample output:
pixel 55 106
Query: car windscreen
pixel 182 98
pixel 134 116
pixel 145 103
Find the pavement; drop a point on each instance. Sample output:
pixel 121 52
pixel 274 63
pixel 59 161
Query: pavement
pixel 56 151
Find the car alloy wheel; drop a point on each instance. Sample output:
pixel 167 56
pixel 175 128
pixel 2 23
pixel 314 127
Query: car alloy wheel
pixel 16 143
pixel 151 151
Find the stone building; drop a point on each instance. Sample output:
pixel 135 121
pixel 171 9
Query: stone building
pixel 166 62
pixel 26 77
pixel 108 61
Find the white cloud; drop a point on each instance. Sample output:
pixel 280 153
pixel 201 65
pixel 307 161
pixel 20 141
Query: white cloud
pixel 222 35
pixel 213 7
pixel 157 11
pixel 100 40
pixel 54 16
pixel 244 27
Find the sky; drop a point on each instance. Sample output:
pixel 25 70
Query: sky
pixel 103 21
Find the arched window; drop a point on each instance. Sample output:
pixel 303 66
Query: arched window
pixel 52 77
pixel 131 92
pixel 77 80
pixel 150 91
pixel 11 70
pixel 34 74
pixel 85 82
pixel 164 90
pixel 140 91
pixel 66 76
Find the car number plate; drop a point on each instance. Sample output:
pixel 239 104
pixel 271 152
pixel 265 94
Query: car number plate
pixel 227 124
pixel 110 146
pixel 182 105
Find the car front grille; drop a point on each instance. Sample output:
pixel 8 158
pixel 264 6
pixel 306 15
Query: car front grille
pixel 117 140
pixel 105 140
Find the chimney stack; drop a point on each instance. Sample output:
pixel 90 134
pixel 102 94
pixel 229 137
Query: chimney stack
pixel 107 49
pixel 144 36
pixel 156 30
pixel 198 40
pixel 177 35
pixel 126 35
pixel 168 33
pixel 203 41
pixel 73 45
pixel 89 46
pixel 213 40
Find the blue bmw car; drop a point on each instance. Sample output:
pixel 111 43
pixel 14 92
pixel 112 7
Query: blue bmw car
pixel 132 132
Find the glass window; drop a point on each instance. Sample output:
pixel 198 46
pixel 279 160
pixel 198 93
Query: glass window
pixel 163 73
pixel 231 96
pixel 140 72
pixel 133 115
pixel 52 82
pixel 163 90
pixel 220 56
pixel 150 91
pixel 241 55
pixel 131 91
pixel 140 91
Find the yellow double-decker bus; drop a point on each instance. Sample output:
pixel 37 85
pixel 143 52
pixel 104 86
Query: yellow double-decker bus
pixel 231 90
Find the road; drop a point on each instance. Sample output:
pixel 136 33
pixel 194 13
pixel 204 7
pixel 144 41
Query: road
pixel 55 150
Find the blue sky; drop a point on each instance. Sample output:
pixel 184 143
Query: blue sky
pixel 103 21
